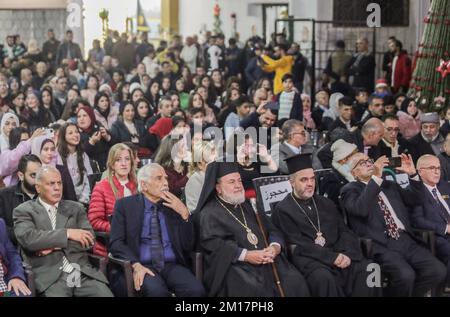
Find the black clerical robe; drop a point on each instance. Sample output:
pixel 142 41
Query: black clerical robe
pixel 317 262
pixel 222 239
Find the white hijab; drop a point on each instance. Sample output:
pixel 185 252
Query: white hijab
pixel 4 139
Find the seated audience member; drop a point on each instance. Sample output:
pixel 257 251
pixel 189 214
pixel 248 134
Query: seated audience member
pixel 73 163
pixel 119 183
pixel 409 118
pixel 332 113
pixel 153 230
pixel 253 161
pixel 340 175
pixel 434 212
pixel 95 138
pixel 295 142
pixel 392 144
pixel 12 275
pixel 172 156
pixel 55 235
pixel 202 154
pixel 429 140
pixel 13 196
pixel 379 210
pixel 327 252
pixel 444 159
pixel 345 116
pixel 238 254
pixel 369 137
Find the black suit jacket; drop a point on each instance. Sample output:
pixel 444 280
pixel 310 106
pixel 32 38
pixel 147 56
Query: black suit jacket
pixel 374 151
pixel 427 216
pixel 360 202
pixel 404 148
pixel 126 228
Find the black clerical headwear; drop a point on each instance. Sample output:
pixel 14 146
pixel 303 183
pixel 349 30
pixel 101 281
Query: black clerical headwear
pixel 214 171
pixel 298 162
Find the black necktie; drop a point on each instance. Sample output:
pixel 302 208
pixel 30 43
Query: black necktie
pixel 443 211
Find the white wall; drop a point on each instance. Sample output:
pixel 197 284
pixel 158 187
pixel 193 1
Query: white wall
pixel 194 14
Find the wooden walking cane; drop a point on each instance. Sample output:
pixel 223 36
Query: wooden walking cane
pixel 266 243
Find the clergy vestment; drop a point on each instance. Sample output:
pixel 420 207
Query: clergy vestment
pixel 223 239
pixel 295 218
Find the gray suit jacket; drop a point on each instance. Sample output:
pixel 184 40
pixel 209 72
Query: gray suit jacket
pixel 34 233
pixel 281 151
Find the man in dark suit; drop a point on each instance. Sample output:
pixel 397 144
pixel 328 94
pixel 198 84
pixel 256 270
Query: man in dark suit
pixel 378 210
pixel 55 236
pixel 392 145
pixel 369 137
pixel 154 231
pixel 361 67
pixel 327 252
pixel 434 212
pixel 12 276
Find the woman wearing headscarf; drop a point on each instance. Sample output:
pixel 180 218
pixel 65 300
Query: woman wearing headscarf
pixel 8 123
pixel 409 119
pixel 332 113
pixel 44 148
pixel 95 138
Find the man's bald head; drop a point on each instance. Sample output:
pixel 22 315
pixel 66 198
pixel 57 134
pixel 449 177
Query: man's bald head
pixel 429 168
pixel 372 131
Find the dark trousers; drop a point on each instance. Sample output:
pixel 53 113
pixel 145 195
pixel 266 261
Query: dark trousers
pixel 349 282
pixel 172 278
pixel 411 269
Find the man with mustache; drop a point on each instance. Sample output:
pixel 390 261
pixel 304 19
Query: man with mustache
pixel 153 230
pixel 13 196
pixel 327 251
pixel 238 260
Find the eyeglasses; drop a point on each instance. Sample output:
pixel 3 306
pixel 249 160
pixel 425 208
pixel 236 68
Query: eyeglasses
pixel 432 168
pixel 364 163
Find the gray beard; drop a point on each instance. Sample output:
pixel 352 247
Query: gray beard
pixel 234 199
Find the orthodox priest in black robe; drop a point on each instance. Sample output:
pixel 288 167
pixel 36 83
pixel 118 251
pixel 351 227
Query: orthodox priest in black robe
pixel 239 261
pixel 327 253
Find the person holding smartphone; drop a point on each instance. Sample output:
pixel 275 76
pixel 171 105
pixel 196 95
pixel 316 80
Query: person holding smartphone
pixel 253 160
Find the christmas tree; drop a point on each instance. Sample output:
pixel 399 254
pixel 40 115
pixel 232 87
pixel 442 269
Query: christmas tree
pixel 217 22
pixel 431 78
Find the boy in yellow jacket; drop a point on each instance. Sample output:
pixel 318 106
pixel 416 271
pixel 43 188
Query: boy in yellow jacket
pixel 281 66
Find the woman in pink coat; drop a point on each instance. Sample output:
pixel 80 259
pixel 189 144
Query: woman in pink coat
pixel 409 117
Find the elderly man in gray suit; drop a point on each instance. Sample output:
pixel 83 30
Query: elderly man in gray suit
pixel 295 142
pixel 55 236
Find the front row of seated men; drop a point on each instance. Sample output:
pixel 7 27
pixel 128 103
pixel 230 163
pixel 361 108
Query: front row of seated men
pixel 244 252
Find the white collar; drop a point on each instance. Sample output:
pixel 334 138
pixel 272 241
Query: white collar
pixel 293 148
pixel 47 206
pixel 430 188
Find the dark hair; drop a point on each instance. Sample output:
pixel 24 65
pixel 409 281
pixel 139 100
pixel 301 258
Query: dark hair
pixel 98 96
pixel 373 97
pixel 176 120
pixel 63 150
pixel 24 160
pixel 340 44
pixel 15 136
pixel 399 44
pixel 194 111
pixel 388 100
pixel 232 41
pixel 287 77
pixel 282 47
pixel 119 91
pixel 360 91
pixel 347 101
pixel 389 117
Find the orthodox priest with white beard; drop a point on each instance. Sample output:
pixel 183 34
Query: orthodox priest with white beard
pixel 241 260
pixel 327 252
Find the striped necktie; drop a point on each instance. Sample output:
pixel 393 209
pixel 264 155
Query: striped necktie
pixel 52 212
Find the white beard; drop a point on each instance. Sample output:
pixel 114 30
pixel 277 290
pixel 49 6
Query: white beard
pixel 234 199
